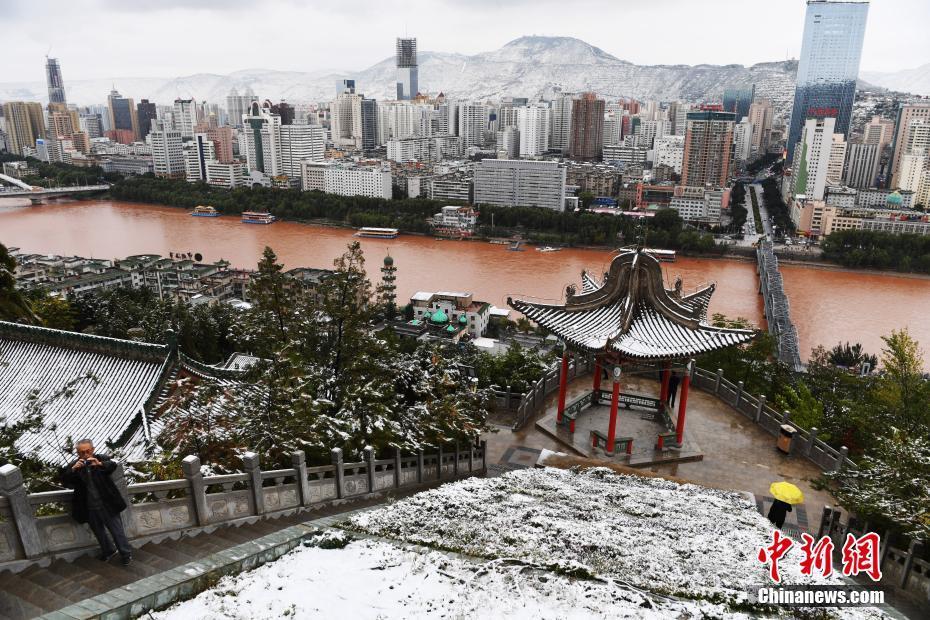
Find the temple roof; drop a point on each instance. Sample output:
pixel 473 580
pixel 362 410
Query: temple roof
pixel 106 389
pixel 90 386
pixel 630 312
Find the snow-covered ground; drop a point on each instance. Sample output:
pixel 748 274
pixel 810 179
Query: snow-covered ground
pixel 538 543
pixel 663 537
pixel 374 579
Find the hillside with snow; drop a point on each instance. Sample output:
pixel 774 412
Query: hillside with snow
pixel 535 543
pixel 530 67
pixel 915 80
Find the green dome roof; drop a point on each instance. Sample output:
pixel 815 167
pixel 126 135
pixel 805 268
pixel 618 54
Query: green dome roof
pixel 439 317
pixel 388 261
pixel 451 329
pixel 426 315
pixel 463 319
pixel 895 198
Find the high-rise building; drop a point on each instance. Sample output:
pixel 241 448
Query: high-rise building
pixel 587 127
pixel 300 143
pixel 742 140
pixel 837 159
pixel 473 122
pixel 285 111
pixel 862 161
pixel 560 119
pixel 533 125
pixel 812 157
pixel 907 114
pixel 669 151
pixel 708 145
pixel 829 66
pixel 878 131
pixel 184 117
pixel 346 119
pixel 122 115
pixel 761 113
pixel 369 119
pixel 197 156
pixel 520 183
pixel 25 123
pixel 146 112
pixel 92 124
pixel 407 70
pixel 56 86
pixel 238 105
pixel 222 139
pixel 738 100
pixel 261 140
pixel 167 150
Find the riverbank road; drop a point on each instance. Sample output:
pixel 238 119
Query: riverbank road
pixel 737 454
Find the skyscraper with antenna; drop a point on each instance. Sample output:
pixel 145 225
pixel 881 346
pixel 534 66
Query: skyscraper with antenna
pixel 407 70
pixel 56 86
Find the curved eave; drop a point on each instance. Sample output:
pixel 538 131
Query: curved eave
pixel 651 336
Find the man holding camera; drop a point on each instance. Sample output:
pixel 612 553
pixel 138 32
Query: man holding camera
pixel 96 501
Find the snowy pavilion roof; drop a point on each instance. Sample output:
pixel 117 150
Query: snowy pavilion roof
pixel 630 312
pixel 90 386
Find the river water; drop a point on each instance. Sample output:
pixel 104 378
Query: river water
pixel 827 305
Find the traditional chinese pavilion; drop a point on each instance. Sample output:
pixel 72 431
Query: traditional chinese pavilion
pixel 630 318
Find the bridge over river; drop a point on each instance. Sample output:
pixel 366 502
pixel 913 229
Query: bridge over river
pixel 38 194
pixel 777 308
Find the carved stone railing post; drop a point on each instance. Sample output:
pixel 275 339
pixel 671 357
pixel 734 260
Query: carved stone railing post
pixel 299 463
pixel 471 456
pixel 785 416
pixel 824 522
pixel 11 485
pixel 339 471
pixel 886 544
pixel 191 467
pixel 760 409
pixel 811 441
pixel 119 479
pixel 370 467
pixel 739 394
pixel 398 464
pixel 717 380
pixel 419 466
pixel 455 466
pixel 908 563
pixel 439 468
pixel 250 464
pixel 841 459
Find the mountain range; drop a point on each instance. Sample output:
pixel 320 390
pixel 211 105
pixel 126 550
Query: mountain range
pixel 531 66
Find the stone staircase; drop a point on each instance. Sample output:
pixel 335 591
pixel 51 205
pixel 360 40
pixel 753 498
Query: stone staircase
pixel 40 590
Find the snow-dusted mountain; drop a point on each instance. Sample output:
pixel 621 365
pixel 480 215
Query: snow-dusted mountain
pixel 526 67
pixel 916 81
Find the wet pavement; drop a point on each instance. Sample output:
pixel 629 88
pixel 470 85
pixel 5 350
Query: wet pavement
pixel 737 454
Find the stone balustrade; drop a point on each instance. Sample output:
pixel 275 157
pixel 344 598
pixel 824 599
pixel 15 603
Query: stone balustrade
pixel 37 527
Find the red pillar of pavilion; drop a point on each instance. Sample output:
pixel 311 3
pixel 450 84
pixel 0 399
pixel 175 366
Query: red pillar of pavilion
pixel 614 404
pixel 666 377
pixel 563 383
pixel 597 375
pixel 683 403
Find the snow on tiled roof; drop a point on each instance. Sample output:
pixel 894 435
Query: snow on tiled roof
pixel 110 383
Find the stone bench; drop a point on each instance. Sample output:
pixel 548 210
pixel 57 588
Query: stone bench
pixel 667 438
pixel 599 438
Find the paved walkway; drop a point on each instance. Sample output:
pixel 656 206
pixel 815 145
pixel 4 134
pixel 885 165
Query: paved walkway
pixel 738 455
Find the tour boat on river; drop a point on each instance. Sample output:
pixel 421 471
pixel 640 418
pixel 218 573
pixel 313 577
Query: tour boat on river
pixel 257 217
pixel 205 211
pixel 378 233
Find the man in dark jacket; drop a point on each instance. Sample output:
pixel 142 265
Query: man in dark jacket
pixel 778 512
pixel 96 500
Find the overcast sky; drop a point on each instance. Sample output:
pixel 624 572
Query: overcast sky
pixel 166 38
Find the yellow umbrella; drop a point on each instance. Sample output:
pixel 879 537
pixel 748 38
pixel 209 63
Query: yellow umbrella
pixel 786 492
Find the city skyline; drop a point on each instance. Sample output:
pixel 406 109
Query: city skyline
pixel 31 35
